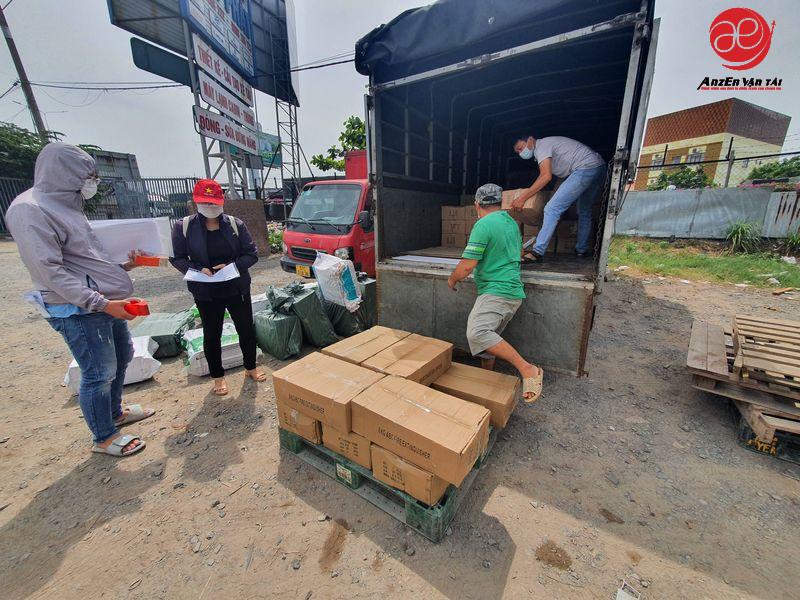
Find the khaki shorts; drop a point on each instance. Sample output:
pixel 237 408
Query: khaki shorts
pixel 488 319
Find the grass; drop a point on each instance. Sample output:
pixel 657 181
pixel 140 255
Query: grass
pixel 701 263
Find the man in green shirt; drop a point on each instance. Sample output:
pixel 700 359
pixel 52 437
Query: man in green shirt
pixel 493 255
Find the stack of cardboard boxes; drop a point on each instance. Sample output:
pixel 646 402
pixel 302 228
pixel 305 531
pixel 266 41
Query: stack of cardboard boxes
pixel 457 222
pixel 532 215
pixel 368 399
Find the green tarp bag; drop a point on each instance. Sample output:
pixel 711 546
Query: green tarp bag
pixel 278 334
pixel 367 313
pixel 166 329
pixel 305 304
pixel 344 322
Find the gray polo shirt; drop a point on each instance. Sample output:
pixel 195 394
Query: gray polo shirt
pixel 567 155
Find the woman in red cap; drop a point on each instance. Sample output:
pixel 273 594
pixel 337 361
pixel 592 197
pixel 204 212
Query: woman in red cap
pixel 208 242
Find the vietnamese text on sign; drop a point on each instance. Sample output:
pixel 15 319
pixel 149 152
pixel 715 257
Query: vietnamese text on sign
pixel 227 24
pixel 222 128
pixel 227 103
pixel 214 65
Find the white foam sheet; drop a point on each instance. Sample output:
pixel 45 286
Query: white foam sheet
pixel 119 236
pixel 142 366
pixel 427 259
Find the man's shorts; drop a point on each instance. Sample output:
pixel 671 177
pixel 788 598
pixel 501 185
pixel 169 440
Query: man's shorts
pixel 488 319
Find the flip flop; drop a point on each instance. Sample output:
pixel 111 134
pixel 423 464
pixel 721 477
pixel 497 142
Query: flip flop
pixel 222 390
pixel 117 446
pixel 259 376
pixel 533 384
pixel 531 258
pixel 135 413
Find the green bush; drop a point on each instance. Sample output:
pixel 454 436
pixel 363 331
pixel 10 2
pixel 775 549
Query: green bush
pixel 776 170
pixel 682 178
pixel 743 237
pixel 791 244
pixel 275 237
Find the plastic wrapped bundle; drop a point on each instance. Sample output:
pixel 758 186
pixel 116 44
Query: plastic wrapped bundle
pixel 367 313
pixel 344 322
pixel 304 302
pixel 166 329
pixel 196 363
pixel 141 368
pixel 278 334
pixel 337 281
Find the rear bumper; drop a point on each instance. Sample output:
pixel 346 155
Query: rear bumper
pixel 288 264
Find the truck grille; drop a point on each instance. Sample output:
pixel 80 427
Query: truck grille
pixel 304 253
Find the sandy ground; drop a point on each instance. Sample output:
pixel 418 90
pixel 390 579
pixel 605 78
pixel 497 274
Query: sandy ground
pixel 626 474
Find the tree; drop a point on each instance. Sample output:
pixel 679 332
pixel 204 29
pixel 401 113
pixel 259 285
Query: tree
pixel 776 170
pixel 353 137
pixel 19 148
pixel 683 178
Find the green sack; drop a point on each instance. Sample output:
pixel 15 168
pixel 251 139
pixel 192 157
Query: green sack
pixel 196 313
pixel 367 313
pixel 166 329
pixel 344 322
pixel 278 334
pixel 303 301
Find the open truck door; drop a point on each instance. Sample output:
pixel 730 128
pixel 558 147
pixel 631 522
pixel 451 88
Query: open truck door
pixel 441 117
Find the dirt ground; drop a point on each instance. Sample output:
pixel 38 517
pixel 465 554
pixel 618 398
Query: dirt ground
pixel 628 473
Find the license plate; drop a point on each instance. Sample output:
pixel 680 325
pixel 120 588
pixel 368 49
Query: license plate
pixel 303 270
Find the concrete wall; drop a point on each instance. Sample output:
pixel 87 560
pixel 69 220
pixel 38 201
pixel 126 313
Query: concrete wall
pixel 252 213
pixel 707 213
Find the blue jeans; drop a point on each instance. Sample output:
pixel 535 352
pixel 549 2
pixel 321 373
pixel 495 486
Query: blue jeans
pixel 102 347
pixel 582 185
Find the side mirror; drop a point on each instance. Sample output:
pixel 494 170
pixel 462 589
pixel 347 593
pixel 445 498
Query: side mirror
pixel 364 219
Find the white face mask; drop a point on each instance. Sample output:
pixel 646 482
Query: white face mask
pixel 526 153
pixel 89 188
pixel 209 211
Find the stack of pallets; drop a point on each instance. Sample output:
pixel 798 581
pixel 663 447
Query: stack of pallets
pixel 757 365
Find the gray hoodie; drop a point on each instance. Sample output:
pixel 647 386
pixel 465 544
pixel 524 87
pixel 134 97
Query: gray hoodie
pixel 65 259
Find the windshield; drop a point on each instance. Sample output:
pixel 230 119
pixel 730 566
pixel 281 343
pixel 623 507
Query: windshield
pixel 335 204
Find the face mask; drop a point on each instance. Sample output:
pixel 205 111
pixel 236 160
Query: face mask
pixel 89 188
pixel 526 153
pixel 209 211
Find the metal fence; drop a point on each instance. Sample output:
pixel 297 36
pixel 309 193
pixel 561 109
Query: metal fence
pixel 684 169
pixel 119 199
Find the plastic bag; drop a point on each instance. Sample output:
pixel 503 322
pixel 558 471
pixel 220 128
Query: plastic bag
pixel 278 334
pixel 196 363
pixel 142 366
pixel 367 313
pixel 303 301
pixel 166 329
pixel 344 322
pixel 337 281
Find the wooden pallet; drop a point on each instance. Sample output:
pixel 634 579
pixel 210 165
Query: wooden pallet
pixel 767 350
pixel 768 433
pixel 431 521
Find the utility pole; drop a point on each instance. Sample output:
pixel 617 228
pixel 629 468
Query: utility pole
pixel 23 80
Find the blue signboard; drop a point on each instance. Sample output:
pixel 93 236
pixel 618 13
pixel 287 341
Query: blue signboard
pixel 269 148
pixel 227 26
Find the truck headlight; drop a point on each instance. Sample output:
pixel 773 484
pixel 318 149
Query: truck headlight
pixel 343 253
pixel 284 247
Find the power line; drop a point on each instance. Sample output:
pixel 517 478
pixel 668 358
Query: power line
pixel 106 88
pixel 330 64
pixel 8 91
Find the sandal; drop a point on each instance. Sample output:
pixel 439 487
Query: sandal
pixel 135 413
pixel 258 377
pixel 533 385
pixel 221 390
pixel 531 258
pixel 117 446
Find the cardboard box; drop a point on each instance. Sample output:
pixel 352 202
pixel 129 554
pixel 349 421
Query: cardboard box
pixel 441 434
pixel 451 213
pixel 454 227
pixel 358 348
pixel 528 231
pixel 350 445
pixel 497 392
pixel 468 213
pixel 532 211
pixel 321 387
pixel 416 357
pixel 296 422
pixel 415 482
pixel 454 240
pixel 566 245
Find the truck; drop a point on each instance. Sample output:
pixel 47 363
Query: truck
pixel 335 217
pixel 451 86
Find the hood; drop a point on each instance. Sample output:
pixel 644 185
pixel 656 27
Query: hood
pixel 61 170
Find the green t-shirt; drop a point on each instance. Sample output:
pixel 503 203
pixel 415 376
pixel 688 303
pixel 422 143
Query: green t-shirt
pixel 496 243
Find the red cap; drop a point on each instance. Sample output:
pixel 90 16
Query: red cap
pixel 208 191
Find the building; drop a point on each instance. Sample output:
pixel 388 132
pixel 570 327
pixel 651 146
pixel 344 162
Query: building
pixel 706 133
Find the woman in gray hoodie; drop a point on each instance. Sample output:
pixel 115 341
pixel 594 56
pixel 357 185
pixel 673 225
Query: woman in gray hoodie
pixel 78 290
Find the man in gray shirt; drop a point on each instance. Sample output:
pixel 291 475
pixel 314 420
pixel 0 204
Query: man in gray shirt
pixel 78 290
pixel 583 171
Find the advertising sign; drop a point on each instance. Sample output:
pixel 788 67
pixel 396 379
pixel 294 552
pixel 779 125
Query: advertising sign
pixel 269 149
pixel 214 65
pixel 221 99
pixel 222 128
pixel 227 25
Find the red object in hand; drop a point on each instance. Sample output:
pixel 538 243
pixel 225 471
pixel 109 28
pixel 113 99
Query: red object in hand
pixel 138 308
pixel 141 260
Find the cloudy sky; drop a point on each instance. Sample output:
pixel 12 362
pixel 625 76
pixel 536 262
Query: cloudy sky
pixel 74 41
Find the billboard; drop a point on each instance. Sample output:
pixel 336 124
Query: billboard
pixel 225 102
pixel 269 149
pixel 222 128
pixel 227 25
pixel 214 65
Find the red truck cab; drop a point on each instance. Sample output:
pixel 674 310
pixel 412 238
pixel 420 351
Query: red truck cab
pixel 334 217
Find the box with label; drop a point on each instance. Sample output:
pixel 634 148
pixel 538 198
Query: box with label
pixel 358 348
pixel 532 211
pixel 495 391
pixel 441 434
pixel 296 422
pixel 416 357
pixel 454 227
pixel 450 213
pixel 398 473
pixel 321 387
pixel 454 240
pixel 350 445
pixel 468 213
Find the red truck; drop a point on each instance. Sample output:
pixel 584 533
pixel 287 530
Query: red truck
pixel 334 217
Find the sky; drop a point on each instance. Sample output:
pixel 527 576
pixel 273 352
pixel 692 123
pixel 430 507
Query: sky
pixel 75 41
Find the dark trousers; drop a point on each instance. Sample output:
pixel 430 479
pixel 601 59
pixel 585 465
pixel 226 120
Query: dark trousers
pixel 212 312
